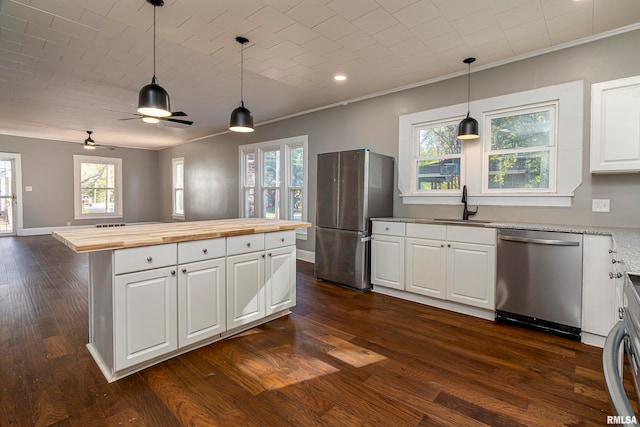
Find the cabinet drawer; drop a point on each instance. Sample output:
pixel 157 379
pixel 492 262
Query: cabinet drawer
pixel 245 243
pixel 388 228
pixel 279 239
pixel 144 258
pixel 200 250
pixel 427 231
pixel 467 234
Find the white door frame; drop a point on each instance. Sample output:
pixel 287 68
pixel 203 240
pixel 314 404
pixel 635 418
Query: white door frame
pixel 17 171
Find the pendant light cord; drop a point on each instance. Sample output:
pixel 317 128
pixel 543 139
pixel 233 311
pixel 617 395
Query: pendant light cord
pixel 242 75
pixel 154 43
pixel 468 88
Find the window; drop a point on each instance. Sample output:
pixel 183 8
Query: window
pixel 519 153
pixel 98 187
pixel 275 171
pixel 177 166
pixel 529 152
pixel 438 157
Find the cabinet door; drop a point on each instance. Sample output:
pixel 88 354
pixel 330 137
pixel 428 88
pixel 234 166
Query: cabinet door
pixel 471 274
pixel 599 305
pixel 245 289
pixel 387 261
pixel 201 301
pixel 426 267
pixel 615 134
pixel 146 316
pixel 280 279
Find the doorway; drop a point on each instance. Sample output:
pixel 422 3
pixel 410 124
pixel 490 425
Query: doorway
pixel 9 189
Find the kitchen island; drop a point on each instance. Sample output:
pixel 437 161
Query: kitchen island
pixel 160 290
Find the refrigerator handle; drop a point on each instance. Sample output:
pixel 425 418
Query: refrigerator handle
pixel 365 239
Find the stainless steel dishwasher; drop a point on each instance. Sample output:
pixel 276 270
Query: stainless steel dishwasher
pixel 539 281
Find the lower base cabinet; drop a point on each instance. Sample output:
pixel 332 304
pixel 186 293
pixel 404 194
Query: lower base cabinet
pixel 453 263
pixel 151 303
pixel 146 316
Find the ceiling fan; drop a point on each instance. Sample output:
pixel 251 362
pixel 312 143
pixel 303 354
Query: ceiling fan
pixel 90 144
pixel 152 119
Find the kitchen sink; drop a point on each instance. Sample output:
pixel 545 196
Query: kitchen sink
pixel 462 221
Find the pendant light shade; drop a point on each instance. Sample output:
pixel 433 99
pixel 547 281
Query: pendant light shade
pixel 241 118
pixel 153 100
pixel 468 127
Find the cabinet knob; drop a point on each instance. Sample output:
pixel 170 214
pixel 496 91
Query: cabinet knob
pixel 184 270
pixel 149 259
pixel 448 245
pixel 386 228
pixel 611 251
pixel 173 272
pixel 620 312
pixel 618 275
pixel 282 240
pixel 442 245
pixel 249 244
pixel 611 275
pixel 205 250
pixel 269 254
pixel 262 255
pixel 614 261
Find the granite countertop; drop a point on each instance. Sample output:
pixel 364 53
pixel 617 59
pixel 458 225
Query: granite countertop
pixel 627 239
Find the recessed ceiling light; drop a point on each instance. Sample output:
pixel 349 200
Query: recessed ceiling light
pixel 340 77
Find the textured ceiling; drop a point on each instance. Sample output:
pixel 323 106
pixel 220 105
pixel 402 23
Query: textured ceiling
pixel 71 65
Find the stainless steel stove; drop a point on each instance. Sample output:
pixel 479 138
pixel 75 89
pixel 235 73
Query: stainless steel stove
pixel 624 338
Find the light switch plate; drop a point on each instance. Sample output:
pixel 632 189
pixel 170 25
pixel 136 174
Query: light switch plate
pixel 28 188
pixel 600 205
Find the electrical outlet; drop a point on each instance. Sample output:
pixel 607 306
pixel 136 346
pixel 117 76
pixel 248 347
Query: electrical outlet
pixel 600 205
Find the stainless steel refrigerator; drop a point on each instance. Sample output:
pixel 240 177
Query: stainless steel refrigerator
pixel 352 187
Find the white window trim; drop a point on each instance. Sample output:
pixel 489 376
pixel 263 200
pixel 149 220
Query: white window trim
pixel 552 149
pixel 569 148
pixel 174 163
pixel 284 145
pixel 77 191
pixel 416 158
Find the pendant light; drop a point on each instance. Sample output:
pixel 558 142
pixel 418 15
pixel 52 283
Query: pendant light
pixel 241 118
pixel 153 100
pixel 468 127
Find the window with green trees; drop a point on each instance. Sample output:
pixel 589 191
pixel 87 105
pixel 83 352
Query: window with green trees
pixel 273 182
pixel 437 156
pixel 98 187
pixel 520 151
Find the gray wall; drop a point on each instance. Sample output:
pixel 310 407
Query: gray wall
pixel 47 166
pixel 212 165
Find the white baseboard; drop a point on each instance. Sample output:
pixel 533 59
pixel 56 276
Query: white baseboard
pixel 593 339
pixel 307 256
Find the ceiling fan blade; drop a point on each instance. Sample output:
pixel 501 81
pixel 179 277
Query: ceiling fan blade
pixel 178 114
pixel 130 118
pixel 105 147
pixel 184 122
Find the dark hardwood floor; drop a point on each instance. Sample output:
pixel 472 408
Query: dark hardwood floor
pixel 341 358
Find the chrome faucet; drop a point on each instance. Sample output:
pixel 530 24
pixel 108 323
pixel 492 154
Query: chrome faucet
pixel 466 212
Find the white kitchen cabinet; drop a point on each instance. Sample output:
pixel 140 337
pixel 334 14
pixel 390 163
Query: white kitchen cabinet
pixel 471 274
pixel 452 263
pixel 145 315
pixel 615 134
pixel 387 254
pixel 280 279
pixel 201 290
pixel 603 275
pixel 260 276
pixel 201 300
pixel 426 259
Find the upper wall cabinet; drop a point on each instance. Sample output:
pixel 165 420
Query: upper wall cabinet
pixel 615 126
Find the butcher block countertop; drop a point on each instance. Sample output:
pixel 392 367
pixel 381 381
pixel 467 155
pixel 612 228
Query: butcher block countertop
pixel 131 236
